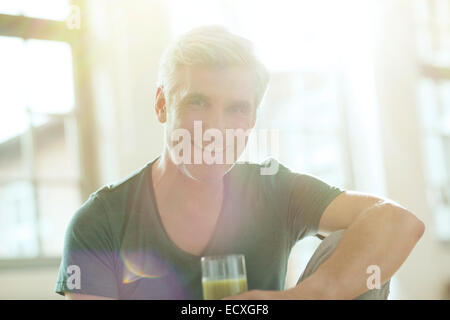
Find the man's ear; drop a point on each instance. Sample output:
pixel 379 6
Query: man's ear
pixel 160 105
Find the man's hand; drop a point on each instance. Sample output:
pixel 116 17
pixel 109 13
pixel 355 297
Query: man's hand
pixel 259 295
pixel 300 292
pixel 309 289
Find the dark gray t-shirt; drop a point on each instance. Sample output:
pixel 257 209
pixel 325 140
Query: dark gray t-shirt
pixel 120 248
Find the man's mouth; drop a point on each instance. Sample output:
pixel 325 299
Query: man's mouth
pixel 211 147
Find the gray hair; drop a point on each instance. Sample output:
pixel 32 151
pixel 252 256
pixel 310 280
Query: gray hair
pixel 210 45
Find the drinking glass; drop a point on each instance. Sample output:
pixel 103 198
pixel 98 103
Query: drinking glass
pixel 223 276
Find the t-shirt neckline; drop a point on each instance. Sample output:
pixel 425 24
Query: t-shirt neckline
pixel 173 245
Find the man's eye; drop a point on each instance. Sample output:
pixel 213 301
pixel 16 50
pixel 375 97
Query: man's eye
pixel 196 102
pixel 239 109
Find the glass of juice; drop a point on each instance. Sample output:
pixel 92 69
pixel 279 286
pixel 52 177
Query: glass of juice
pixel 223 276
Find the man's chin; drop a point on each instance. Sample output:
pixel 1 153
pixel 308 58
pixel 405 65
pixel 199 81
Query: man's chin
pixel 205 172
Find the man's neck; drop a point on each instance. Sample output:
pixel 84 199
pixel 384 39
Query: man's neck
pixel 178 189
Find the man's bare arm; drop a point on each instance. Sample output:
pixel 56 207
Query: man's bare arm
pixel 383 236
pixel 80 296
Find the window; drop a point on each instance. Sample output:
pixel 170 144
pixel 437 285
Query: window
pixel 40 185
pixel 432 21
pixel 432 18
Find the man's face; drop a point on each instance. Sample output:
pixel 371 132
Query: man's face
pixel 211 106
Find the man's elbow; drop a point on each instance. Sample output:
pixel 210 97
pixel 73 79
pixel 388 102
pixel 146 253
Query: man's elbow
pixel 411 222
pixel 417 226
pixel 420 228
pixel 405 219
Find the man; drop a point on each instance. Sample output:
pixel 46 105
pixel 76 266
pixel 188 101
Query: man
pixel 143 237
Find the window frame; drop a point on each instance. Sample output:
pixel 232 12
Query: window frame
pixel 23 27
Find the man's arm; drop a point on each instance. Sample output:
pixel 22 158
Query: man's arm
pixel 79 296
pixel 381 235
pixel 345 208
pixel 88 258
pixel 378 232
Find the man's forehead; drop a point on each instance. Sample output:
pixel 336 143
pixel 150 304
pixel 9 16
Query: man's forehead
pixel 235 81
pixel 188 96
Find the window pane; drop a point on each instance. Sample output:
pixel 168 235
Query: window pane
pixel 55 148
pixel 442 223
pixel 13 119
pixel 442 12
pixel 36 75
pixel 433 31
pixel 11 160
pixel 306 109
pixel 50 76
pixel 434 112
pixel 421 10
pixel 18 232
pixel 435 160
pixel 46 9
pixel 316 98
pixel 444 98
pixel 428 104
pixel 57 203
pixel 11 6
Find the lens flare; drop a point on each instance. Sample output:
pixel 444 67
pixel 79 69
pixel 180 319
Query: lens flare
pixel 142 264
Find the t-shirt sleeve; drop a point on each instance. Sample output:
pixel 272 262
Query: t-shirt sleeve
pixel 307 197
pixel 88 259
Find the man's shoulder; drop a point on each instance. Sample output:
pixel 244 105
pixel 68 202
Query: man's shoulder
pixel 112 201
pixel 109 203
pixel 125 186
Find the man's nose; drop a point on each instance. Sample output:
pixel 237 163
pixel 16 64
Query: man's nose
pixel 216 120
